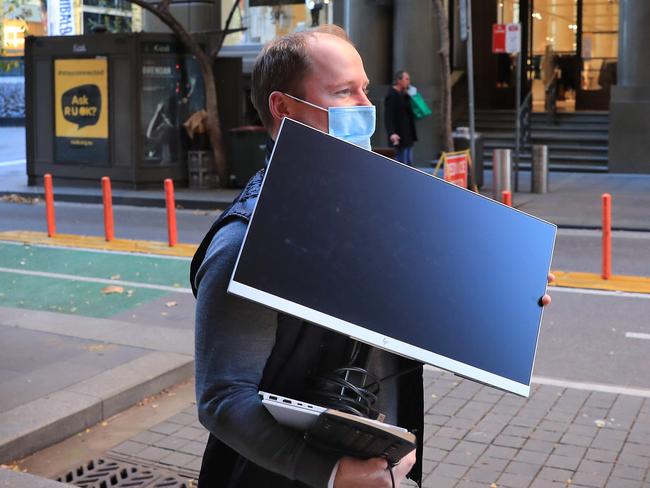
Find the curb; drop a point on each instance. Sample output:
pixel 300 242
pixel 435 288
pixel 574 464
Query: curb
pixel 9 478
pixel 55 417
pixel 222 204
pixel 127 200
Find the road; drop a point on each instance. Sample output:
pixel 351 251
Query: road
pixel 595 337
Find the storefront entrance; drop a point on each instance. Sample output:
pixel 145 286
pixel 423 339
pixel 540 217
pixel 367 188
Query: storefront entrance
pixel 571 50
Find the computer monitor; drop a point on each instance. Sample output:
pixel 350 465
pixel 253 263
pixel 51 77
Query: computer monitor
pixel 396 258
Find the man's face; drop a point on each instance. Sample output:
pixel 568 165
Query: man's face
pixel 404 82
pixel 336 79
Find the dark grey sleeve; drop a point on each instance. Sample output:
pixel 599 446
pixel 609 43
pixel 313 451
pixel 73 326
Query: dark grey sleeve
pixel 234 338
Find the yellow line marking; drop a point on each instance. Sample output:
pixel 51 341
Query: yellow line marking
pixel 574 279
pixel 567 279
pixel 93 242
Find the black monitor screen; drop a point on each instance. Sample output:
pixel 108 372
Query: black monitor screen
pixel 385 253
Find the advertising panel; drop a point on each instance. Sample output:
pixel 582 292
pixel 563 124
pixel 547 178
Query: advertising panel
pixel 81 110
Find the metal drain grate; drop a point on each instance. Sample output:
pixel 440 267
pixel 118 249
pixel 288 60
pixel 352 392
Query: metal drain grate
pixel 113 473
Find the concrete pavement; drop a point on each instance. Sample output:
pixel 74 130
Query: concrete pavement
pixel 72 356
pixel 85 334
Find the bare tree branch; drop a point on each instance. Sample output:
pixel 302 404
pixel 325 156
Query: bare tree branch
pixel 164 5
pixel 222 38
pixel 205 63
pixel 445 76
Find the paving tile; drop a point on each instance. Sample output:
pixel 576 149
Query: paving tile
pixel 576 440
pixel 547 435
pixel 638 449
pixel 602 455
pixel 436 419
pixel 492 463
pixel 153 454
pixel 481 436
pixel 149 438
pixel 528 469
pixel 587 466
pixel 194 465
pixel 555 474
pixel 614 482
pixel 501 452
pixel 129 448
pixel 445 443
pixel 563 462
pixel 433 453
pixel 182 418
pixel 510 480
pixel 628 459
pixel 628 472
pixel 454 471
pixel 439 481
pixel 465 453
pixel 570 451
pixel 189 433
pixel 451 432
pixel 177 459
pixel 483 475
pixel 193 447
pixel 544 447
pixel 171 443
pixel 509 441
pixel 165 428
pixel 534 457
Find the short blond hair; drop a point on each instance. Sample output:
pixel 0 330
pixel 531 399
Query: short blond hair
pixel 282 65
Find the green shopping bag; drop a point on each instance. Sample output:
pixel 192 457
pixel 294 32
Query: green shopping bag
pixel 419 106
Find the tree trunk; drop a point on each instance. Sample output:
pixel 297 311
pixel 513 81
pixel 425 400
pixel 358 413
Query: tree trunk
pixel 445 76
pixel 213 124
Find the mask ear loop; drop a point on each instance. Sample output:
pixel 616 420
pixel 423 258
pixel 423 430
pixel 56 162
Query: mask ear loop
pixel 306 102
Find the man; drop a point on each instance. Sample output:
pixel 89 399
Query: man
pixel 399 119
pixel 242 347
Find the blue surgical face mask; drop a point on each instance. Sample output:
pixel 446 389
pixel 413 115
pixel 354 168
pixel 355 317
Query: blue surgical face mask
pixel 355 124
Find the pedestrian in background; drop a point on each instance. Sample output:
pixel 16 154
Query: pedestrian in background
pixel 399 118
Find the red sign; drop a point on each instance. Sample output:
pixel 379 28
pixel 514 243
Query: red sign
pixel 456 168
pixel 499 38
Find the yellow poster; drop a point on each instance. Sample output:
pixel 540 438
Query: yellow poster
pixel 81 99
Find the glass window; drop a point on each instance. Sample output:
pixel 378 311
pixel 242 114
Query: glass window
pixel 266 20
pixel 599 44
pixel 172 90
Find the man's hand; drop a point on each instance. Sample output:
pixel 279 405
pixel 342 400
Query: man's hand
pixel 394 139
pixel 546 299
pixel 371 473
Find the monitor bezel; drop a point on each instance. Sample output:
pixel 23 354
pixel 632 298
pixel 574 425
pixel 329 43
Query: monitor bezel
pixel 366 335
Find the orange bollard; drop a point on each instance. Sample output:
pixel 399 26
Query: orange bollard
pixel 506 198
pixel 107 197
pixel 607 236
pixel 49 205
pixel 171 212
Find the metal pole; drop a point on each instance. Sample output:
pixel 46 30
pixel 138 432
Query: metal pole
pixel 539 169
pixel 517 118
pixel 501 172
pixel 470 84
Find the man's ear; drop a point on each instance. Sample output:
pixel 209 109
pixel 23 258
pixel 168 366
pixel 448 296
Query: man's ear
pixel 279 106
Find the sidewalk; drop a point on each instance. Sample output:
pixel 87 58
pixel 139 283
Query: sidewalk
pixel 76 362
pixel 85 335
pixel 475 437
pixel 573 200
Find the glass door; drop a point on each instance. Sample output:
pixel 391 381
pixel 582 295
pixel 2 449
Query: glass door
pixel 554 52
pixel 599 53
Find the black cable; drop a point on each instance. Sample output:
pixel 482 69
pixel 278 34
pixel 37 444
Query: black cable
pixel 392 477
pixel 339 390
